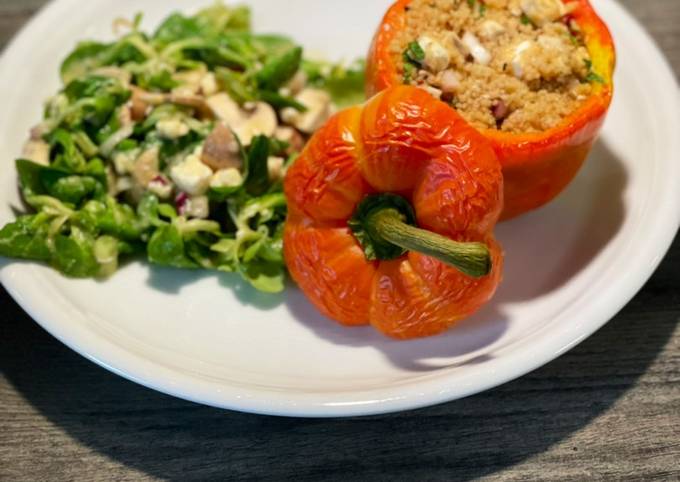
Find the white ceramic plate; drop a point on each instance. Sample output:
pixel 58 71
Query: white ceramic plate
pixel 208 338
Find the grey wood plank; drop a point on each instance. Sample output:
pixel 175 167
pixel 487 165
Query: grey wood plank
pixel 608 410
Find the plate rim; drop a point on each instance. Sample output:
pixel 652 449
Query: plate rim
pixel 153 375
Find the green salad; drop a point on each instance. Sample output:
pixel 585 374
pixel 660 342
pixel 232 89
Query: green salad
pixel 173 146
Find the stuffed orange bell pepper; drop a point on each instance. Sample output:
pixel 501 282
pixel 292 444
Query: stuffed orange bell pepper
pixel 534 76
pixel 392 208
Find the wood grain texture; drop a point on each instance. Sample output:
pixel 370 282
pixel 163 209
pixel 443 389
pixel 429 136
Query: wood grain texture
pixel 608 410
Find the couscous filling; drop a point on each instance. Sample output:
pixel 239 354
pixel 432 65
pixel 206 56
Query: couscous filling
pixel 518 66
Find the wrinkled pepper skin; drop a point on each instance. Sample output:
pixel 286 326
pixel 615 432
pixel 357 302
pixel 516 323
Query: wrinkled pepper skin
pixel 537 166
pixel 402 141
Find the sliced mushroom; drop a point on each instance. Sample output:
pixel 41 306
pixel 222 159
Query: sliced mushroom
pixel 261 120
pixel 225 109
pixel 319 109
pixel 220 150
pixel 142 100
pixel 146 167
pixel 139 107
pixel 194 101
pixel 37 151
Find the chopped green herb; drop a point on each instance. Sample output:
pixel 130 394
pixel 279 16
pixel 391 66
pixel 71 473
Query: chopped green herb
pixel 409 72
pixel 414 53
pixel 525 20
pixel 593 77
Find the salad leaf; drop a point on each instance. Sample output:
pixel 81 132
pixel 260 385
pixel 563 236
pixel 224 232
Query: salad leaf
pixel 279 70
pixel 257 177
pixel 167 248
pixel 130 111
pixel 345 84
pixel 26 238
pixel 82 60
pixel 73 254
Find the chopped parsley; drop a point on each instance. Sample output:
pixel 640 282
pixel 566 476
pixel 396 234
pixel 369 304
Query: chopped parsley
pixel 414 56
pixel 592 76
pixel 414 53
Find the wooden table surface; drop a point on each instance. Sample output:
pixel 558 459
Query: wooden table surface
pixel 608 410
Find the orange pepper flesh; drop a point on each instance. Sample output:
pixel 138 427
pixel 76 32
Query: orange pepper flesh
pixel 538 166
pixel 402 141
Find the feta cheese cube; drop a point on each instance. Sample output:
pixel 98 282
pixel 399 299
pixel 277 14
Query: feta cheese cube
pixel 541 12
pixel 477 50
pixel 231 177
pixel 161 187
pixel 437 58
pixel 192 176
pixel 196 207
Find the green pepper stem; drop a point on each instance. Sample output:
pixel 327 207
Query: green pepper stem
pixel 473 259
